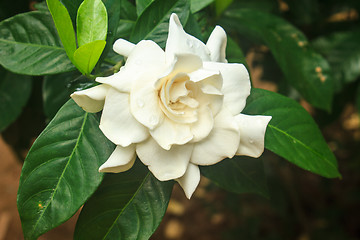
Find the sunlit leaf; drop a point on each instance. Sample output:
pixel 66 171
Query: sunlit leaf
pixel 87 55
pixel 63 25
pixel 61 170
pixel 128 205
pixel 292 133
pixel 92 22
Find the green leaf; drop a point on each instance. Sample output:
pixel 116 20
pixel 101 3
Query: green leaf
pixel 197 5
pixel 61 170
pixel 91 22
pixel 72 6
pixel 128 205
pixel 154 21
pixel 127 11
pixel 238 174
pixel 292 133
pixel 303 68
pixel 234 54
pixel 125 28
pixel 141 5
pixel 88 55
pixel 14 93
pixel 56 91
pixel 29 45
pixel 342 50
pixel 63 25
pixel 221 5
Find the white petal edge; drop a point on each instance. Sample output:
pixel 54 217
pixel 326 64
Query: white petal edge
pixel 91 99
pixel 121 160
pixel 190 180
pixel 179 42
pixel 252 132
pixel 217 45
pixel 236 84
pixel 117 123
pixel 164 164
pixel 222 142
pixel 123 47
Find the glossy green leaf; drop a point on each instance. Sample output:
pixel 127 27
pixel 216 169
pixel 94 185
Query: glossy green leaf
pixel 61 170
pixel 128 11
pixel 29 45
pixel 63 25
pixel 56 91
pixel 72 6
pixel 239 174
pixel 128 205
pixel 88 55
pixel 141 5
pixel 125 28
pixel 292 133
pixel 14 92
pixel 197 5
pixel 92 22
pixel 342 50
pixel 154 21
pixel 303 68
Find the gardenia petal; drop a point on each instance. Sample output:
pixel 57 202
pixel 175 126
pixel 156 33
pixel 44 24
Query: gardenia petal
pixel 179 42
pixel 123 47
pixel 122 159
pixel 252 132
pixel 223 141
pixel 164 164
pixel 236 84
pixel 121 81
pixel 169 133
pixel 190 180
pixel 91 99
pixel 217 45
pixel 117 123
pixel 202 128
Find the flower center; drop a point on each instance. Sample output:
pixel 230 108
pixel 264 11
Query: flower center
pixel 176 98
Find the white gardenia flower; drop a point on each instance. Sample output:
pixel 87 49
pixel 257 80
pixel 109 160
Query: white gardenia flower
pixel 176 109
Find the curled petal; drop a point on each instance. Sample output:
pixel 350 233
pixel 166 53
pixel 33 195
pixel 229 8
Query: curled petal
pixel 121 81
pixel 202 128
pixel 217 45
pixel 252 131
pixel 236 84
pixel 190 180
pixel 164 164
pixel 179 42
pixel 91 99
pixel 117 123
pixel 123 47
pixel 122 159
pixel 169 133
pixel 223 141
